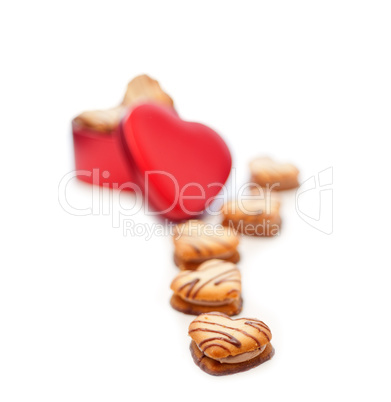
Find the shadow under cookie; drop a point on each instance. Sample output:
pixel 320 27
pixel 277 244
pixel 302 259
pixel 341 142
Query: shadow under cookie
pixel 214 367
pixel 185 307
pixel 192 265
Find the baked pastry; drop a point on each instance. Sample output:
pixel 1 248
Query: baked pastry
pixel 277 176
pixel 196 242
pixel 222 345
pixel 141 89
pixel 145 89
pixel 101 120
pixel 214 285
pixel 253 217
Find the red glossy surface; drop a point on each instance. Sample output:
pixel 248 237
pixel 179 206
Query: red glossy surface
pixel 102 151
pixel 190 160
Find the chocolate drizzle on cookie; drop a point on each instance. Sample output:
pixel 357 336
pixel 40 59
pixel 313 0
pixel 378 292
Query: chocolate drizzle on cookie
pixel 231 337
pixel 194 243
pixel 191 285
pixel 211 281
pixel 228 279
pixel 257 324
pixel 197 290
pixel 227 327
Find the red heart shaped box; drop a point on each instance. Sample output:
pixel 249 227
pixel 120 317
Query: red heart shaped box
pixel 99 157
pixel 154 138
pixel 180 166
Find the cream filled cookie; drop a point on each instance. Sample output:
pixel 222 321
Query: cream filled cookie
pixel 253 217
pixel 196 242
pixel 214 285
pixel 222 345
pixel 274 175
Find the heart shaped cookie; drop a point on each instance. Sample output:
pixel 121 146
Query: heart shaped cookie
pixel 253 217
pixel 214 285
pixel 278 176
pixel 222 345
pixel 181 165
pixel 196 242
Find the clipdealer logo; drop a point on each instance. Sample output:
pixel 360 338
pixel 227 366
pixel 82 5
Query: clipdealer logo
pixel 313 200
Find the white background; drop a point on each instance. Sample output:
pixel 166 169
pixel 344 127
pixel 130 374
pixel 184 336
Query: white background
pixel 84 312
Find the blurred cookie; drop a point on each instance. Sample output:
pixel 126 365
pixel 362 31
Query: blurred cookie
pixel 140 89
pixel 253 217
pixel 277 176
pixel 214 285
pixel 222 345
pixel 145 89
pixel 196 242
pixel 101 120
pixel 194 264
